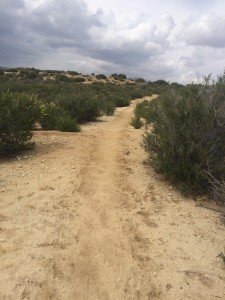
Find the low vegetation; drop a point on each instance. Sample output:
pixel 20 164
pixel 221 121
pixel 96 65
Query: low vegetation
pixel 55 117
pixel 62 101
pixel 18 115
pixel 136 122
pixel 187 143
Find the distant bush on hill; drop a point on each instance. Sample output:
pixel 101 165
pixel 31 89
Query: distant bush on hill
pixel 79 79
pixel 64 78
pixel 72 73
pixel 119 76
pixel 140 80
pixel 101 76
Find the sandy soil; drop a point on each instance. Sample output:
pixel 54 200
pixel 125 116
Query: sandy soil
pixel 82 217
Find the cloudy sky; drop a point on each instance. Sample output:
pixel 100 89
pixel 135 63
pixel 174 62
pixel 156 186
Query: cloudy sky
pixel 176 40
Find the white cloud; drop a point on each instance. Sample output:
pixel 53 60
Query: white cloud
pixel 206 30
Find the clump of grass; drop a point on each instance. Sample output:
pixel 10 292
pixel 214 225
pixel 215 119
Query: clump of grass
pixel 136 122
pixel 222 256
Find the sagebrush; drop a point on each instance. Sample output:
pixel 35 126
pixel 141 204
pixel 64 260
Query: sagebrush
pixel 188 138
pixel 18 115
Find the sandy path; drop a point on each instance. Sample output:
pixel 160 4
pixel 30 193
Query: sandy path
pixel 81 217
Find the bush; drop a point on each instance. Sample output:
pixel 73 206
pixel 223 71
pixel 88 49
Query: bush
pixel 145 110
pixel 83 107
pixel 121 101
pixel 63 78
pixel 119 76
pixel 79 79
pixel 140 80
pixel 66 123
pixel 108 108
pixel 136 122
pixel 188 139
pixel 18 115
pixel 54 117
pixel 50 114
pixel 72 73
pixel 101 76
pixel 32 75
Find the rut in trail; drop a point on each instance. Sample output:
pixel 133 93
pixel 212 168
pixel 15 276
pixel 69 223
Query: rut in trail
pixel 105 264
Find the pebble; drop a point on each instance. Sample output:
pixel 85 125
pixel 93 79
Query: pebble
pixel 169 286
pixel 2 241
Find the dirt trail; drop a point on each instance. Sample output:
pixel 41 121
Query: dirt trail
pixel 81 217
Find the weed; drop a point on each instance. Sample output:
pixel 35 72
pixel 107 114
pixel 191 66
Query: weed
pixel 136 122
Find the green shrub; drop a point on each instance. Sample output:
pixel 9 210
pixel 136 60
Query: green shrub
pixel 72 73
pixel 188 139
pixel 66 123
pixel 82 106
pixel 137 95
pixel 54 117
pixel 50 114
pixel 18 115
pixel 121 77
pixel 115 76
pixel 101 76
pixel 63 78
pixel 108 108
pixel 13 70
pixel 32 75
pixel 140 80
pixel 136 122
pixel 145 110
pixel 79 79
pixel 121 101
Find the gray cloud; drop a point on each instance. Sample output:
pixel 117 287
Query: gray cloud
pixel 28 34
pixel 64 23
pixel 66 35
pixel 134 42
pixel 206 30
pixel 51 26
